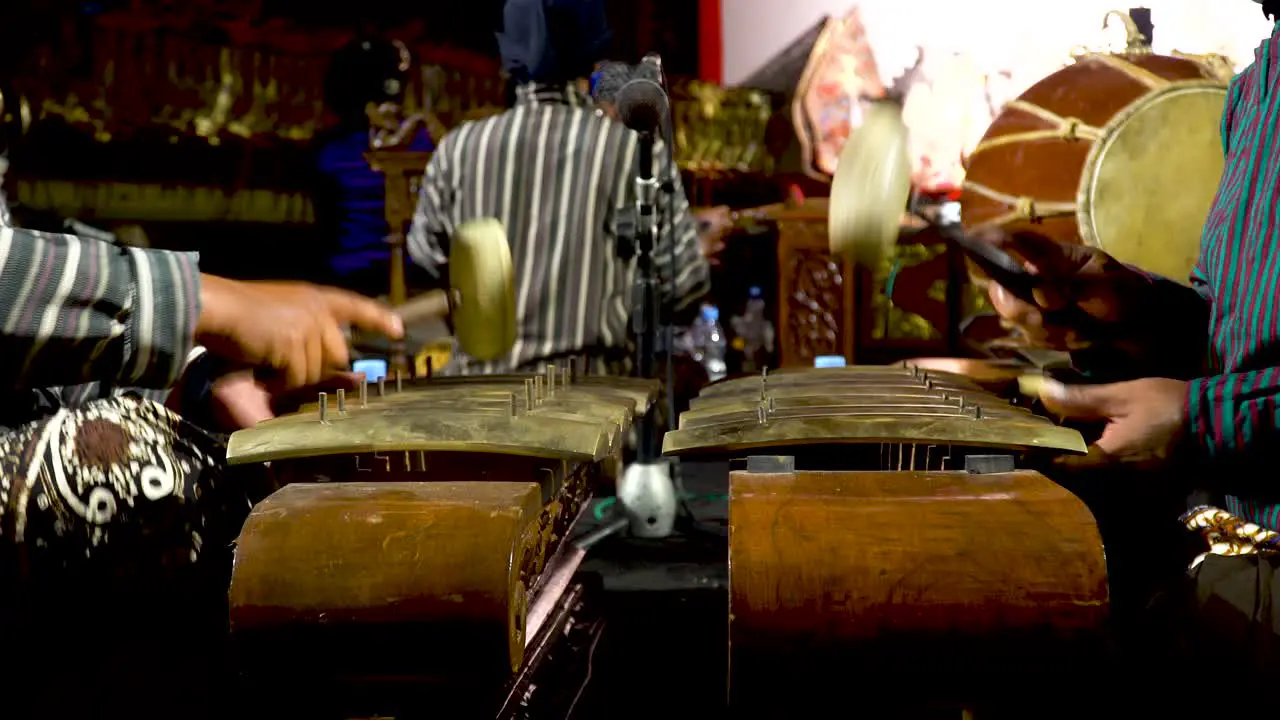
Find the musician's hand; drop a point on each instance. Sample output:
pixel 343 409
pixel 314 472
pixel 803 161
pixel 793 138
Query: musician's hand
pixel 714 225
pixel 1146 420
pixel 294 329
pixel 1109 291
pixel 240 401
pixel 232 402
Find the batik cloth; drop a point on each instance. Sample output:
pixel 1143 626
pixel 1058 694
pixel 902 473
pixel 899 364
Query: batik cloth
pixel 120 482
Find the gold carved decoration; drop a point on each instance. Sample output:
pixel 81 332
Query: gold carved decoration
pixel 148 77
pixel 720 130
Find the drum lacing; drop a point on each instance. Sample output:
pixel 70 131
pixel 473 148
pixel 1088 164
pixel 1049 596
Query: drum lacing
pixel 1069 129
pixel 1023 207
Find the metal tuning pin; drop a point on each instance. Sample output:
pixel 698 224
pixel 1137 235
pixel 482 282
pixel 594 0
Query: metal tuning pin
pixel 530 395
pixel 551 380
pixel 342 401
pixel 977 412
pixel 399 382
pixel 765 407
pixel 538 390
pixel 515 405
pixel 566 377
pixel 382 386
pixel 364 391
pixel 324 407
pixel 431 367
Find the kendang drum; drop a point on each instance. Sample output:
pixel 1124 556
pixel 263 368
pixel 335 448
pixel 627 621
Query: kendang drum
pixel 892 549
pixel 1121 152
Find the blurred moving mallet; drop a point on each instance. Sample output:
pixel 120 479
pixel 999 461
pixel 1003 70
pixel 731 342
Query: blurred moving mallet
pixel 478 309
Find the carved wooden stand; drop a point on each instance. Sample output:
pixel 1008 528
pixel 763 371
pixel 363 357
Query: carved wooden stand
pixel 816 300
pixel 402 171
pixel 829 306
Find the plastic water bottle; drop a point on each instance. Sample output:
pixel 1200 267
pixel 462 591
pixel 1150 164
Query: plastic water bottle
pixel 753 334
pixel 710 343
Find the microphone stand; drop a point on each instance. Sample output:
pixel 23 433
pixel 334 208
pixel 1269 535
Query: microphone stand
pixel 645 313
pixel 646 490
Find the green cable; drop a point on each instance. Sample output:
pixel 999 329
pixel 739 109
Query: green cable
pixel 893 278
pixel 602 506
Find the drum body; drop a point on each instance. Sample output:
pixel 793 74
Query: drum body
pixel 1121 152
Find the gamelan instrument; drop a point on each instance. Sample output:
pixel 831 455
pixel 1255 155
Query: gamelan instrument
pixel 479 307
pixel 1118 151
pixel 889 543
pixel 415 551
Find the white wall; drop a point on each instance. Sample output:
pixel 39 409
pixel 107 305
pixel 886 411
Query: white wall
pixel 992 32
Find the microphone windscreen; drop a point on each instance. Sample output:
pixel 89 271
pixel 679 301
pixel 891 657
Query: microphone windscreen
pixel 642 106
pixel 610 79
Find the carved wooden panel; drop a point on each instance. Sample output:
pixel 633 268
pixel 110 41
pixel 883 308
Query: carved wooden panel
pixel 815 295
pixel 913 305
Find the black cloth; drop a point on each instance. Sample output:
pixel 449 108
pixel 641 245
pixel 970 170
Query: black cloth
pixel 1217 627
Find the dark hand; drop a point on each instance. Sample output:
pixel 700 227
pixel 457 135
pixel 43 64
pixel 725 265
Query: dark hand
pixel 1146 420
pixel 1106 292
pixel 296 330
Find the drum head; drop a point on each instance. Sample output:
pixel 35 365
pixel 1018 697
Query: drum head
pixel 1150 180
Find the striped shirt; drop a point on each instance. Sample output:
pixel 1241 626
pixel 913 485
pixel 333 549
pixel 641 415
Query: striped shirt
pixel 1234 413
pixel 556 172
pixel 81 319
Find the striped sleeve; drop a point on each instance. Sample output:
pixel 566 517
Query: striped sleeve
pixel 1234 413
pixel 679 243
pixel 432 225
pixel 77 311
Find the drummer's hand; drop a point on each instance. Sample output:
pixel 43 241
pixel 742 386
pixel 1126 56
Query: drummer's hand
pixel 295 329
pixel 1146 420
pixel 1077 275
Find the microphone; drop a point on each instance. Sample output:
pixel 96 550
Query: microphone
pixel 643 106
pixel 651 69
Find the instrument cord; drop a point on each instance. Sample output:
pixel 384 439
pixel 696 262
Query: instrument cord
pixel 601 511
pixel 591 656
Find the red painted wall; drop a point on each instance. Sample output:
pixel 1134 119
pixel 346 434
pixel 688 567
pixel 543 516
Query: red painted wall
pixel 710 41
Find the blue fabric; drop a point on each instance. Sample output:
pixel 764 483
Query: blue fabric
pixel 359 210
pixel 552 41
